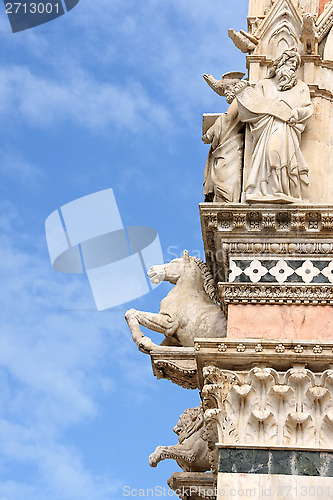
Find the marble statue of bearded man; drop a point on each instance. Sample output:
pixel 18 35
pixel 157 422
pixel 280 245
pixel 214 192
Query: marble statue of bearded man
pixel 278 172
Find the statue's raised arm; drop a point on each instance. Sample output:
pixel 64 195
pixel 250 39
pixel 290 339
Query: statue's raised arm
pixel 223 171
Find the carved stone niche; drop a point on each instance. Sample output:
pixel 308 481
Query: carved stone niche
pixel 193 485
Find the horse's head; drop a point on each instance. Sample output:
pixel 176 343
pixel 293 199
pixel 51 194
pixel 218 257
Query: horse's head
pixel 172 270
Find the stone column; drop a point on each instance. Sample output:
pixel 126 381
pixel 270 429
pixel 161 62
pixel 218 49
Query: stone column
pixel 268 386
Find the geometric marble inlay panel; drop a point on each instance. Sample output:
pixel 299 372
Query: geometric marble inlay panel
pixel 273 270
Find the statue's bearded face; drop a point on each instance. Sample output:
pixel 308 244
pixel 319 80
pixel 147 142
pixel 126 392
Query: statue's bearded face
pixel 232 88
pixel 229 90
pixel 286 74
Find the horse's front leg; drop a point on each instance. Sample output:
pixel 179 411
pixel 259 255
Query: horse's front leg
pixel 133 318
pixel 161 323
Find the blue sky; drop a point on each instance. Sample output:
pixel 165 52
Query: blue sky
pixel 109 95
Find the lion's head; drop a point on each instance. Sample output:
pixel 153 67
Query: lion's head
pixel 189 422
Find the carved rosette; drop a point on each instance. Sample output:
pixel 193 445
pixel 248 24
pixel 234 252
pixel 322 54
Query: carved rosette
pixel 265 407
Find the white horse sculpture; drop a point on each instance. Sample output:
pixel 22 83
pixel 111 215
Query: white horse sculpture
pixel 189 311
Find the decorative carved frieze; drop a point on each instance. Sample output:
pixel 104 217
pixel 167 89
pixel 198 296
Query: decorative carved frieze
pixel 270 293
pixel 297 222
pixel 239 221
pixel 279 354
pixel 327 221
pixel 325 22
pixel 298 239
pixel 268 222
pixel 265 407
pixel 178 367
pixel 211 220
pixel 276 248
pixel 290 219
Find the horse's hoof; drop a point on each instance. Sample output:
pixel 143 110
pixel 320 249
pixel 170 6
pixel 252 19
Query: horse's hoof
pixel 146 344
pixel 152 461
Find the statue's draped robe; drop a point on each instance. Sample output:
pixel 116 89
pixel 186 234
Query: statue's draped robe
pixel 278 169
pixel 222 177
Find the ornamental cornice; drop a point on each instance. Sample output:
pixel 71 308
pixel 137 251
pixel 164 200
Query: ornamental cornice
pixel 178 365
pixel 279 354
pixel 271 293
pixel 261 219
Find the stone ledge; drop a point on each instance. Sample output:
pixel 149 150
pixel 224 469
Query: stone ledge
pixel 260 218
pixel 242 354
pixel 176 364
pixel 193 485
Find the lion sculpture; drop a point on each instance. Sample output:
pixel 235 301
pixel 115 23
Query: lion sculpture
pixel 191 453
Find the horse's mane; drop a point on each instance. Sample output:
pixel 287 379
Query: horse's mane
pixel 209 282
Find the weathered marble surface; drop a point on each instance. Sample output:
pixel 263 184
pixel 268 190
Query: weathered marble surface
pixel 190 308
pixel 192 451
pixel 193 485
pixel 273 487
pixel 291 321
pixel 272 28
pixel 275 461
pixel 264 407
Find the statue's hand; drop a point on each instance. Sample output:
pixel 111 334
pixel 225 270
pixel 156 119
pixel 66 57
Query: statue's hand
pixel 214 142
pixel 239 86
pixel 205 139
pixel 293 117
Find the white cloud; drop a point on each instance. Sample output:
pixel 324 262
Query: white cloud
pixel 41 101
pixel 52 373
pixel 151 55
pixel 14 166
pixel 167 43
pixel 61 474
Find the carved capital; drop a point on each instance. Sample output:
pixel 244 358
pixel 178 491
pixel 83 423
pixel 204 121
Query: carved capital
pixel 265 407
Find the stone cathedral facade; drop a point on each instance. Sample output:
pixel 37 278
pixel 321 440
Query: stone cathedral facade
pixel 252 327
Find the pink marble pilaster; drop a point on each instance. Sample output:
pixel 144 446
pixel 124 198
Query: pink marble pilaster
pixel 280 321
